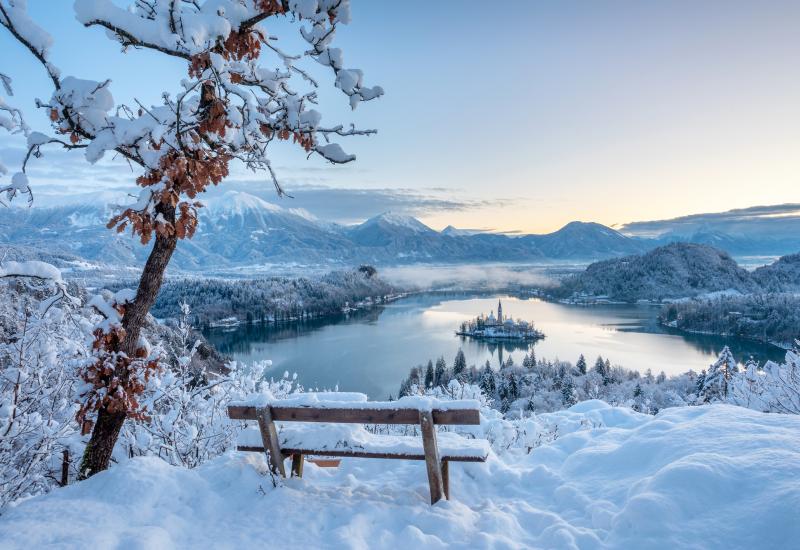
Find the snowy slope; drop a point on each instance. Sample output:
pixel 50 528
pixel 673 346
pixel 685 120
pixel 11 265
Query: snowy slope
pixel 700 477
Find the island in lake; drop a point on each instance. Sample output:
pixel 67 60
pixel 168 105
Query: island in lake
pixel 499 328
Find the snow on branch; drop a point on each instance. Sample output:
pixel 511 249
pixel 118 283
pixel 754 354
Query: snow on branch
pixel 43 273
pixel 233 103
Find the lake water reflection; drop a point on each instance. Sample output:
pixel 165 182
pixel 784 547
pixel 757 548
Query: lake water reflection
pixel 373 351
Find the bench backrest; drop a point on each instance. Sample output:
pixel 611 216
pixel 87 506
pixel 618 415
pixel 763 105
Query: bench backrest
pixel 368 413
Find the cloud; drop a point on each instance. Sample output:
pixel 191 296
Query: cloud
pixel 740 220
pixel 64 177
pixel 352 205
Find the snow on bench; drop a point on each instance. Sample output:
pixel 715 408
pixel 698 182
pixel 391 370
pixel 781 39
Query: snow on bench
pixel 354 440
pixel 331 423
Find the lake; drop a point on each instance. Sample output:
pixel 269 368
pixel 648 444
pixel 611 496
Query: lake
pixel 372 351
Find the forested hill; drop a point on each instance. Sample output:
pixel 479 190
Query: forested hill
pixel 677 270
pixel 781 276
pixel 273 298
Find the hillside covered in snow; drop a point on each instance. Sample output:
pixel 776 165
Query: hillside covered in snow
pixel 678 270
pixel 593 476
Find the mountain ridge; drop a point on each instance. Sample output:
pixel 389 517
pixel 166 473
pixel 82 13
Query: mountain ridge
pixel 238 229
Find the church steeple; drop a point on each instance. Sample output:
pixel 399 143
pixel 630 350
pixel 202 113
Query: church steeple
pixel 499 312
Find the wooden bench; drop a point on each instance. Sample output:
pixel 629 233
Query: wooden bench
pixel 312 424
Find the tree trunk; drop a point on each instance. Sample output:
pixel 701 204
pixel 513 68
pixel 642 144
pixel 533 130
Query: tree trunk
pixel 106 430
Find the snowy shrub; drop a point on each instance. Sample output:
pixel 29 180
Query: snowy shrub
pixel 187 420
pixel 771 388
pixel 42 340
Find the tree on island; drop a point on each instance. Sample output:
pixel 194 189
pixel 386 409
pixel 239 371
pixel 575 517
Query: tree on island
pixel 232 105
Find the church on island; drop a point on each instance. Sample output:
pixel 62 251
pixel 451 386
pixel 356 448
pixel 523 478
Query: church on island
pixel 499 328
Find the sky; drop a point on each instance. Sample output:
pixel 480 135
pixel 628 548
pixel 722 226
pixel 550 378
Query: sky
pixel 514 116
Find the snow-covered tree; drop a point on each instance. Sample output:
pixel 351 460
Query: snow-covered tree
pixel 581 365
pixel 429 374
pixel 717 378
pixel 486 382
pixel 231 105
pixel 568 392
pixel 440 372
pixel 42 335
pixel 459 364
pixel 602 368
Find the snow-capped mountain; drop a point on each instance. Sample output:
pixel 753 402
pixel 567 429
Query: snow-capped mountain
pixel 238 229
pixel 389 228
pixel 580 240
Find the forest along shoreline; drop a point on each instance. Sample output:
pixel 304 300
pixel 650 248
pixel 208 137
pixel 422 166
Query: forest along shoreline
pixel 700 290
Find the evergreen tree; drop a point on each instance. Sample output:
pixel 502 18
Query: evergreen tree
pixel 638 398
pixel 440 372
pixel 568 392
pixel 533 357
pixel 487 382
pixel 526 361
pixel 581 364
pixel 429 375
pixel 600 366
pixel 603 368
pixel 459 364
pixel 405 389
pixel 701 381
pixel 414 377
pixel 513 387
pixel 717 379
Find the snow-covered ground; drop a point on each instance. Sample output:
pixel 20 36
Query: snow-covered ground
pixel 692 477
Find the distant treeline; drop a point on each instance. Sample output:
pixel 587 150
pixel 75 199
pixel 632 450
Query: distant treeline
pixel 271 299
pixel 771 318
pixel 539 385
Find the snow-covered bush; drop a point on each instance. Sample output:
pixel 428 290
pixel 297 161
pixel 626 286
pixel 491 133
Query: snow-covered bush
pixel 187 420
pixel 42 341
pixel 775 387
pixel 46 345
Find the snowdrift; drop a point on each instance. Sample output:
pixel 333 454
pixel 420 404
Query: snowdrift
pixel 693 477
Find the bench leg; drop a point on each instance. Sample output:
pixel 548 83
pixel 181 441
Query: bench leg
pixel 446 478
pixel 269 435
pixel 297 465
pixel 432 462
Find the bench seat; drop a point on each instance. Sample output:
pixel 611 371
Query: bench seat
pixel 354 441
